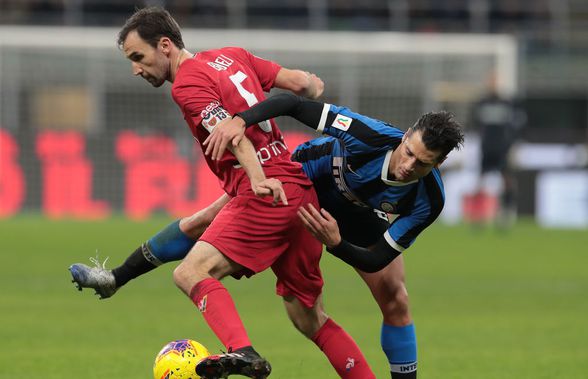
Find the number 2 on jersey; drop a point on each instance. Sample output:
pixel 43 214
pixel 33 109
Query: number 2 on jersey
pixel 249 97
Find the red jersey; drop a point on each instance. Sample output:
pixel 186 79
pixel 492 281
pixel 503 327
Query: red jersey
pixel 216 84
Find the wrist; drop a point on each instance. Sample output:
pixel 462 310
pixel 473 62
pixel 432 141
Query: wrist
pixel 240 120
pixel 334 245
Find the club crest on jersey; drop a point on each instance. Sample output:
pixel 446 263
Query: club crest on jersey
pixel 388 207
pixel 342 122
pixel 213 114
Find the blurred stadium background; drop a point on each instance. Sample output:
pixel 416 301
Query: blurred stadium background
pixel 69 107
pixel 87 151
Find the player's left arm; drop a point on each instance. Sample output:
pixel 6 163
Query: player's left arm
pixel 247 157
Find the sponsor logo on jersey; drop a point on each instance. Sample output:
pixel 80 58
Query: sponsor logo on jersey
pixel 275 149
pixel 338 175
pixel 222 62
pixel 272 149
pixel 342 122
pixel 212 115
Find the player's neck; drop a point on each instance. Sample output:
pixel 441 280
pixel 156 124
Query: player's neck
pixel 177 61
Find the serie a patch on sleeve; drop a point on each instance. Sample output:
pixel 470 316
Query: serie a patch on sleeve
pixel 342 122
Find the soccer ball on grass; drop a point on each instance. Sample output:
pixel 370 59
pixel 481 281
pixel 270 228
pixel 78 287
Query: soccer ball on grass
pixel 178 359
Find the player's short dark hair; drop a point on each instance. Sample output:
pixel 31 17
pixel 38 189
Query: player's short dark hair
pixel 152 23
pixel 440 132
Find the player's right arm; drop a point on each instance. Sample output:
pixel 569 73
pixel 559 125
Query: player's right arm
pixel 325 228
pixel 360 133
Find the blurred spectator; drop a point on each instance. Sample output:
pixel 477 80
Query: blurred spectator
pixel 498 120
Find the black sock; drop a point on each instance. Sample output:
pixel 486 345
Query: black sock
pixel 135 265
pixel 407 375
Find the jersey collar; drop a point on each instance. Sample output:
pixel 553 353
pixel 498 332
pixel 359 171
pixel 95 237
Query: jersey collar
pixel 385 167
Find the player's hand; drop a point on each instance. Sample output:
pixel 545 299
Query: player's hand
pixel 270 187
pixel 319 86
pixel 321 225
pixel 227 131
pixel 316 86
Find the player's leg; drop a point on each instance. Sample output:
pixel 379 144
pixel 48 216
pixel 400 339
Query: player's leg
pixel 364 227
pixel 508 199
pixel 198 276
pixel 246 237
pixel 170 244
pixel 339 347
pixel 300 285
pixel 398 336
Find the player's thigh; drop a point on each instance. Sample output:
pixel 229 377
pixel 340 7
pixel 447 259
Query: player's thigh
pixel 387 284
pixel 298 269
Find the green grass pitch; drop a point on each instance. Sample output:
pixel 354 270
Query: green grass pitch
pixel 486 305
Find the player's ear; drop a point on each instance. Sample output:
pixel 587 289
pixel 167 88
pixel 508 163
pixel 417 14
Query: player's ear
pixel 165 45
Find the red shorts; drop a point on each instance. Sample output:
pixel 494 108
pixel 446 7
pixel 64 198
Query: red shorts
pixel 257 235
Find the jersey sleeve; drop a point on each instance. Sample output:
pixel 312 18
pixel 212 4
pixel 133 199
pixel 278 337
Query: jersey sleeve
pixel 200 101
pixel 426 208
pixel 265 70
pixel 360 133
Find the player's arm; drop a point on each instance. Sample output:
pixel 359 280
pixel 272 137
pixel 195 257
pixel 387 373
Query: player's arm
pixel 324 227
pixel 302 83
pixel 307 111
pixel 247 157
pixel 360 134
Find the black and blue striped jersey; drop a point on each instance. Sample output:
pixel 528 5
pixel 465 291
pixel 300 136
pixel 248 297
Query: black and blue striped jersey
pixel 349 168
pixel 351 164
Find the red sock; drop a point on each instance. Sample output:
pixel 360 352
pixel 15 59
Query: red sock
pixel 216 305
pixel 342 352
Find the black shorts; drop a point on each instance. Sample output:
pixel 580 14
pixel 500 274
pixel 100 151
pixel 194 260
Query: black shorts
pixel 358 225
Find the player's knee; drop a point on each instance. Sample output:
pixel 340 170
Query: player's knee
pixel 180 276
pixel 396 306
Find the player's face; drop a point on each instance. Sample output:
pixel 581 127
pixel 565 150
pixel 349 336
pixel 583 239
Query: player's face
pixel 412 160
pixel 151 63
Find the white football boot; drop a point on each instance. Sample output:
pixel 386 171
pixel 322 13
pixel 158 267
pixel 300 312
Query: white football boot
pixel 97 277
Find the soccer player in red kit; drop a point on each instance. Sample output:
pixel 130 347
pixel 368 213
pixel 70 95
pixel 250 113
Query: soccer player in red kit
pixel 251 233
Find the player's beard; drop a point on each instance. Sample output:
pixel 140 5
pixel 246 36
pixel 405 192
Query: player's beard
pixel 155 82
